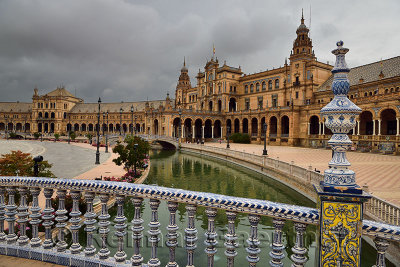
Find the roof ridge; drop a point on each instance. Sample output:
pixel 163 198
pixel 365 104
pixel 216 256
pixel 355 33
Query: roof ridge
pixel 375 62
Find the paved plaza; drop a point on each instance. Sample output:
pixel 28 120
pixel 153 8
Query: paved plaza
pixel 68 160
pixel 380 172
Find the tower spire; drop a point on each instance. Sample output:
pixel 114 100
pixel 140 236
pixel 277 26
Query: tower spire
pixel 302 17
pixel 184 61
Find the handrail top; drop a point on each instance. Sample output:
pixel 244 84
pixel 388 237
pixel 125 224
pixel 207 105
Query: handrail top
pixel 239 204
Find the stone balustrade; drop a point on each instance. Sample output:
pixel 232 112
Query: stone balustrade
pixel 59 252
pixel 376 208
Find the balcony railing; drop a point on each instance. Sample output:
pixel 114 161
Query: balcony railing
pixel 60 252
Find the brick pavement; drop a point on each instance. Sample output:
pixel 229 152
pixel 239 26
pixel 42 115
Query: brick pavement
pixel 380 172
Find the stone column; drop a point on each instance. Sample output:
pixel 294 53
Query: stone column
pixel 398 126
pixel 212 131
pixel 319 128
pixel 193 132
pixel 308 128
pixel 222 133
pixel 373 127
pixel 202 131
pixel 183 132
pixel 358 127
pixel 379 126
pixel 323 128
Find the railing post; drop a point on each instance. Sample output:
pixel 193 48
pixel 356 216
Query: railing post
pixel 381 246
pixel 137 229
pixel 253 249
pixel 120 228
pixel 172 235
pixel 299 251
pixel 104 223
pixel 23 216
pixel 190 234
pixel 230 239
pixel 61 220
pixel 35 217
pixel 47 218
pixel 75 222
pixel 2 218
pixel 211 235
pixel 90 222
pixel 154 232
pixel 277 245
pixel 340 198
pixel 11 212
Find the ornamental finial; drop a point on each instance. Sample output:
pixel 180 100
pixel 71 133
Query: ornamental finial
pixel 340 117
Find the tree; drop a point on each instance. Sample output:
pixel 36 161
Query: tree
pixel 89 137
pixel 56 136
pixel 128 156
pixel 21 164
pixel 72 135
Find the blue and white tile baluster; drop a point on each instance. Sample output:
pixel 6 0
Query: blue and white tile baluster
pixel 190 234
pixel 253 248
pixel 23 216
pixel 299 251
pixel 90 222
pixel 120 227
pixel 340 116
pixel 172 236
pixel 381 247
pixel 211 241
pixel 61 220
pixel 154 233
pixel 137 229
pixel 2 217
pixel 230 239
pixel 75 222
pixel 277 245
pixel 48 218
pixel 104 223
pixel 35 217
pixel 11 212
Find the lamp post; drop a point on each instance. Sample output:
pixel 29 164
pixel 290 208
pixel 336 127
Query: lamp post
pixel 135 146
pixel 41 134
pixel 107 134
pixel 6 126
pixel 228 131
pixel 69 130
pixel 131 130
pixel 135 124
pixel 265 139
pixel 102 125
pixel 98 135
pixel 25 127
pixel 120 120
pixel 180 127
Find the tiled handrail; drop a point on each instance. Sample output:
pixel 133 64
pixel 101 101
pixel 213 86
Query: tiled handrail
pixel 376 207
pixel 62 253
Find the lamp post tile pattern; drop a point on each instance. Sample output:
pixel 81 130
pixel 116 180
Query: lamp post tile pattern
pixel 340 198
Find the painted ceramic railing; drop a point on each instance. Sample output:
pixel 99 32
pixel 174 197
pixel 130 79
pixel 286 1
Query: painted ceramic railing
pixel 60 252
pixel 376 208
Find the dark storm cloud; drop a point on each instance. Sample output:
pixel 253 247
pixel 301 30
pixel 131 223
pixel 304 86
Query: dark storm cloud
pixel 131 50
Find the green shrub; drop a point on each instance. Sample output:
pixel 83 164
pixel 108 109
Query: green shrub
pixel 56 136
pixel 72 135
pixel 36 135
pixel 240 138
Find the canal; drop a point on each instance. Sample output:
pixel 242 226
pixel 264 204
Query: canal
pixel 198 173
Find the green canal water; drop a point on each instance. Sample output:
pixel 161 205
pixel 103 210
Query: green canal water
pixel 194 172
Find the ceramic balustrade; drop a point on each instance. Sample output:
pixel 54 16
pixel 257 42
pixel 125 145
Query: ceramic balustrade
pixel 376 207
pixel 60 252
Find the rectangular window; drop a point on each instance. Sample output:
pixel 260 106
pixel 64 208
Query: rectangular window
pixel 297 95
pixel 308 75
pixel 260 102
pixel 247 104
pixel 274 101
pixel 246 89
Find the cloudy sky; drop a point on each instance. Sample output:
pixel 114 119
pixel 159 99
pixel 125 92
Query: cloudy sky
pixel 131 50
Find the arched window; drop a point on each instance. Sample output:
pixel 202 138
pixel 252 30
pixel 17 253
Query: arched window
pixel 46 114
pixel 270 85
pixel 53 115
pixel 257 87
pixel 246 89
pixel 251 88
pixel 264 86
pixel 276 83
pixel 40 114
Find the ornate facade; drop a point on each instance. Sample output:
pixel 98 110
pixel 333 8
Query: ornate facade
pixel 287 99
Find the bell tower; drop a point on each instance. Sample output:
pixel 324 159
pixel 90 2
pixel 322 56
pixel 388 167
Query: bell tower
pixel 182 87
pixel 302 45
